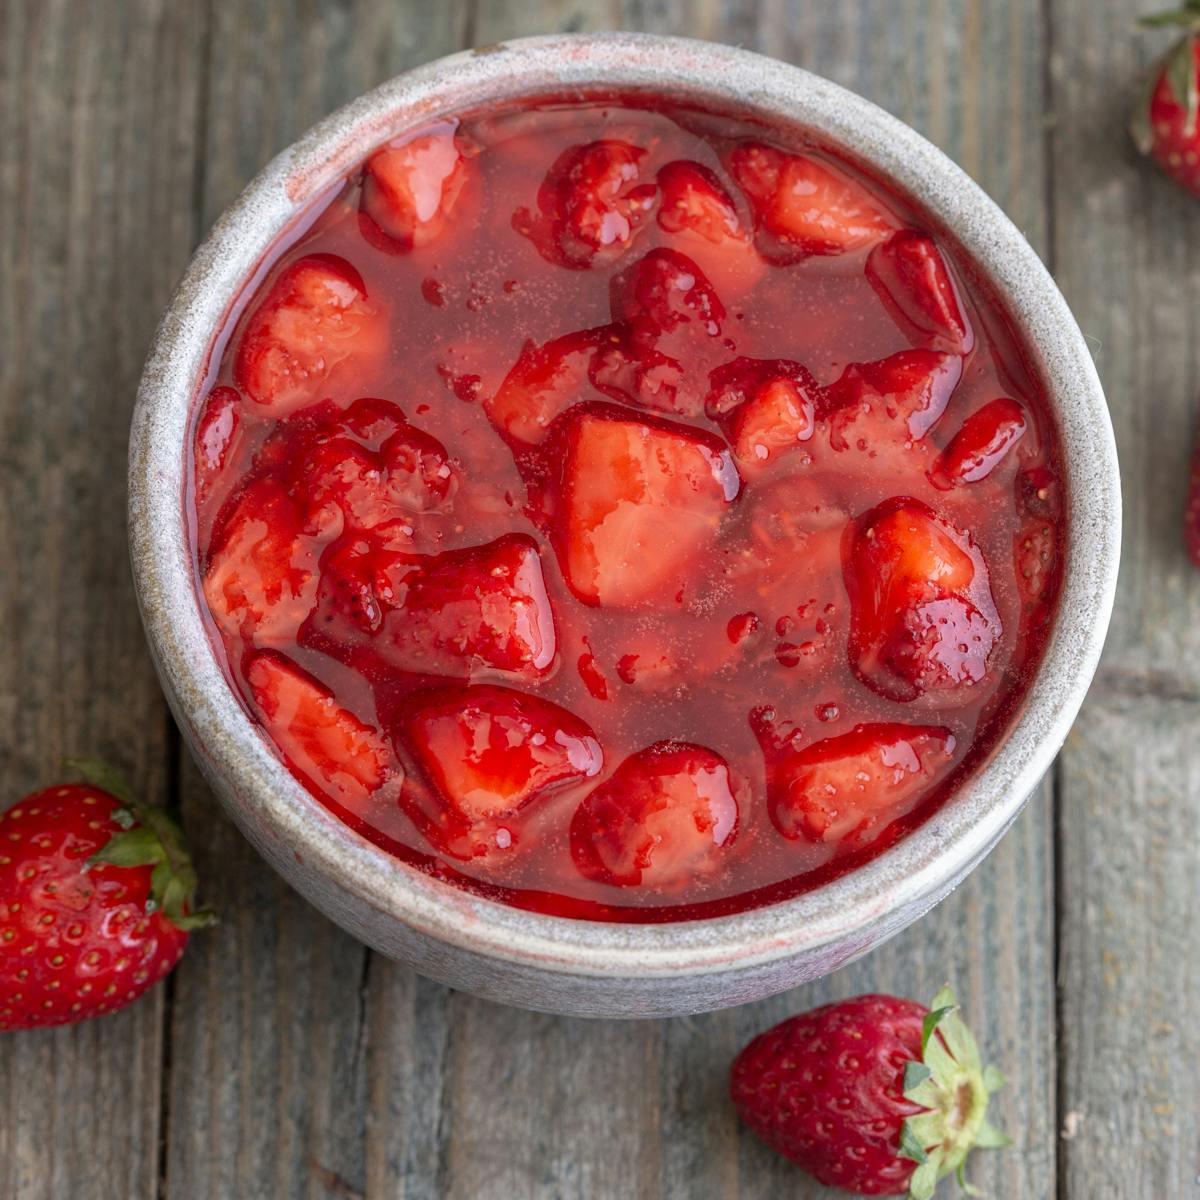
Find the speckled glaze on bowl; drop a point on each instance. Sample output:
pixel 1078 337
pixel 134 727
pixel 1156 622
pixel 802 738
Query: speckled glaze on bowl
pixel 525 958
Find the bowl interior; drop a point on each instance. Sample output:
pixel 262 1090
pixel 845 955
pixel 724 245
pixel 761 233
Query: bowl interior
pixel 906 878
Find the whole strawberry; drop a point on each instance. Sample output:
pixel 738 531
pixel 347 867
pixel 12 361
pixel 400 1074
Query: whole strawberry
pixel 96 901
pixel 1165 124
pixel 875 1095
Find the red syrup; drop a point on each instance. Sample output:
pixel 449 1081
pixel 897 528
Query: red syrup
pixel 623 511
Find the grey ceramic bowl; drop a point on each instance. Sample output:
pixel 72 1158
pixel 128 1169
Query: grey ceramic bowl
pixel 524 958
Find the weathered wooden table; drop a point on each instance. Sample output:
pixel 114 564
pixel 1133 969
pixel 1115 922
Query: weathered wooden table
pixel 283 1059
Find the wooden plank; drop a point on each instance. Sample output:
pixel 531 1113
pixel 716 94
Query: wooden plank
pixel 97 115
pixel 535 1106
pixel 268 1079
pixel 1128 259
pixel 1130 951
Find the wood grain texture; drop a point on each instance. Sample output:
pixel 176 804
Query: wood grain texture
pixel 1131 953
pixel 97 159
pixel 268 1083
pixel 1128 259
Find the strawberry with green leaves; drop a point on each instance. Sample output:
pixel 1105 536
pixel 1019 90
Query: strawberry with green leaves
pixel 97 901
pixel 1166 123
pixel 876 1095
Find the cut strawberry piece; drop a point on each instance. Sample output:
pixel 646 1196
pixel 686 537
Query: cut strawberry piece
pixel 779 418
pixel 261 578
pixel 410 190
pixel 314 327
pixel 629 366
pixel 485 607
pixel 767 407
pixel 355 589
pixel 639 499
pixel 668 291
pixel 543 382
pixel 846 789
pixel 734 384
pixel 805 206
pixel 980 445
pixel 338 479
pixel 907 391
pixel 703 221
pixel 923 618
pixel 666 314
pixel 489 751
pixel 667 816
pixel 365 466
pixel 324 743
pixel 694 202
pixel 1036 553
pixel 217 435
pixel 941 645
pixel 592 203
pixel 1039 492
pixel 911 278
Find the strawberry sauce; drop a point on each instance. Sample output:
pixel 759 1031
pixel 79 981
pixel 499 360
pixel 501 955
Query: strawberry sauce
pixel 627 512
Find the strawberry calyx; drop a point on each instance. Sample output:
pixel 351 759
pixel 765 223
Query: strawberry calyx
pixel 1178 68
pixel 1186 16
pixel 953 1088
pixel 149 837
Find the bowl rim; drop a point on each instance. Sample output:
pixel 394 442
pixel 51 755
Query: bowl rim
pixel 908 877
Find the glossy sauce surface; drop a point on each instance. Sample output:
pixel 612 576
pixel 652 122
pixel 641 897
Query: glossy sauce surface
pixel 631 513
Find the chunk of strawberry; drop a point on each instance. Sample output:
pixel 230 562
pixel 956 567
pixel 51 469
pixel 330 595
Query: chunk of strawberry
pixel 766 406
pixel 846 789
pixel 543 382
pixel 1036 554
pixel 666 314
pixel 217 436
pixel 1039 492
pixel 911 278
pixel 325 744
pixel 313 331
pixel 906 392
pixel 805 206
pixel 261 578
pixel 463 610
pixel 698 213
pixel 922 615
pixel 411 188
pixel 629 366
pixel 489 751
pixel 667 291
pixel 980 445
pixel 778 419
pixel 592 203
pixel 363 467
pixel 666 817
pixel 639 498
pixel 355 589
